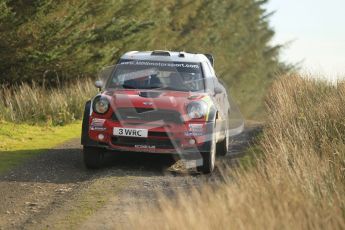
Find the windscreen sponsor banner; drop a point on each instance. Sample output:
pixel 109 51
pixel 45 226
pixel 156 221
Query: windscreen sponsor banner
pixel 185 65
pixel 136 74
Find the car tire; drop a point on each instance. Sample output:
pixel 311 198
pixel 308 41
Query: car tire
pixel 223 146
pixel 209 157
pixel 93 157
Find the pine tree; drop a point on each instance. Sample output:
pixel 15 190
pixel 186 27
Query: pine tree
pixel 46 41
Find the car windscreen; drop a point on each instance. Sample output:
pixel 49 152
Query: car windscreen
pixel 137 74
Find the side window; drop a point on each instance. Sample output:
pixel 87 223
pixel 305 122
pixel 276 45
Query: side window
pixel 105 74
pixel 208 77
pixel 208 71
pixel 215 80
pixel 213 73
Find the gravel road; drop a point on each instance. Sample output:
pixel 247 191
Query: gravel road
pixel 54 190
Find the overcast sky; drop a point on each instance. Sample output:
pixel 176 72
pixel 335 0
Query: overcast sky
pixel 316 29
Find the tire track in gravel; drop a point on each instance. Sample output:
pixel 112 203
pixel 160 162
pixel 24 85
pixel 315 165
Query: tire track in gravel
pixel 54 190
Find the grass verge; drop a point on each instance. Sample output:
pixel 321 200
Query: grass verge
pixel 22 141
pixel 88 201
pixel 38 104
pixel 298 182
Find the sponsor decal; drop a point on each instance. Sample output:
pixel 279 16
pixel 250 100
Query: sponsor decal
pixel 162 64
pixel 195 130
pixel 97 124
pixel 196 127
pixel 145 146
pixel 193 134
pixel 133 117
pixel 148 103
pixel 95 128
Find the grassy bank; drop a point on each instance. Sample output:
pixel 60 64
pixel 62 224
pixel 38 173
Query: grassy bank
pixel 297 183
pixel 38 104
pixel 21 141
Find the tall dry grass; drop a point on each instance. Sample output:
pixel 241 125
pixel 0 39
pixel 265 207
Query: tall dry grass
pixel 297 183
pixel 37 104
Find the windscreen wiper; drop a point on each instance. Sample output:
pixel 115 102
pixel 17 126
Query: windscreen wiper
pixel 128 87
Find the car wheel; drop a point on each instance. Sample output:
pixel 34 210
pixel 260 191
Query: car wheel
pixel 93 157
pixel 223 146
pixel 209 157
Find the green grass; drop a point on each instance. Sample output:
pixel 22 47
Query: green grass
pixel 251 156
pixel 31 103
pixel 89 201
pixel 19 142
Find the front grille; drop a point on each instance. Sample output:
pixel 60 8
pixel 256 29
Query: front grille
pixel 132 141
pixel 147 115
pixel 158 134
pixel 143 110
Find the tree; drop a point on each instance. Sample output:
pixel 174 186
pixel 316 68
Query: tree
pixel 62 40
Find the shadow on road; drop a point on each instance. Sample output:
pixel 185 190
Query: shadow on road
pixel 65 164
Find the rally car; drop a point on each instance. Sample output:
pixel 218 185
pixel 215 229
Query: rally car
pixel 158 102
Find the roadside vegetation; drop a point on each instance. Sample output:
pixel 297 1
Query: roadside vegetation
pixel 31 103
pixel 298 182
pixel 19 142
pixel 58 41
pixel 35 118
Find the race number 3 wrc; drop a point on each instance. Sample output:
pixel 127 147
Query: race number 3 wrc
pixel 130 132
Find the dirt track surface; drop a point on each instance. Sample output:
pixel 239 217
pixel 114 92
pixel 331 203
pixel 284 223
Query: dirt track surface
pixel 54 190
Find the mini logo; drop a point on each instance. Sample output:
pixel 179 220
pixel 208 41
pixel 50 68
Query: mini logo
pixel 148 103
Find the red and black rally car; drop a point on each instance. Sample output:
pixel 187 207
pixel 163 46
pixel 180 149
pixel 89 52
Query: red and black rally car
pixel 158 102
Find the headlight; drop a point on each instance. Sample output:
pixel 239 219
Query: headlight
pixel 197 109
pixel 100 105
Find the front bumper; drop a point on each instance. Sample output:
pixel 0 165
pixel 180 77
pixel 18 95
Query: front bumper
pixel 185 138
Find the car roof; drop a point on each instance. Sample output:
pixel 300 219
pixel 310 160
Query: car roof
pixel 162 55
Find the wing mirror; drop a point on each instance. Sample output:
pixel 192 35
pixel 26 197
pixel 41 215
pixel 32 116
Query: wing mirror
pixel 218 90
pixel 99 84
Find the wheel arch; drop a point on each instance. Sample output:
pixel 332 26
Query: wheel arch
pixel 85 139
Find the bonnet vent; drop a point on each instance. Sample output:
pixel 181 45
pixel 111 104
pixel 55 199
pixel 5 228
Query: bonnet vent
pixel 150 94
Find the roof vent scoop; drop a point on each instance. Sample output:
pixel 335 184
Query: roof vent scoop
pixel 160 53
